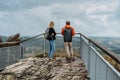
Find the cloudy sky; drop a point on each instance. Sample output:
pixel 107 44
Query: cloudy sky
pixel 31 17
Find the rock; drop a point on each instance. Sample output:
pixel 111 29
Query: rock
pixel 43 69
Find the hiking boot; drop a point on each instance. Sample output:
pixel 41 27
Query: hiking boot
pixel 68 59
pixel 51 59
pixel 73 59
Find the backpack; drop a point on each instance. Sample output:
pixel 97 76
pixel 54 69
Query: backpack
pixel 68 34
pixel 47 33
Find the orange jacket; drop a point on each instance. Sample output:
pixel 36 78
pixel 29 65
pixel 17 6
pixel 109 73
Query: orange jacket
pixel 68 26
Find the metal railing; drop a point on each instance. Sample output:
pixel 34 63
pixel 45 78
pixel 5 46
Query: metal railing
pixel 39 45
pixel 98 68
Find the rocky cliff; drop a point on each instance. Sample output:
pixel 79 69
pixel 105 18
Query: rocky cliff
pixel 43 69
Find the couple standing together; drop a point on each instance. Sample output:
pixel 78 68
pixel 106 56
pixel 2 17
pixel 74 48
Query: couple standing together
pixel 67 32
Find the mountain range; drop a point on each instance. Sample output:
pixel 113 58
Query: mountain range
pixel 112 43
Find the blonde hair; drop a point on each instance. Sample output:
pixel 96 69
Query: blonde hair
pixel 51 24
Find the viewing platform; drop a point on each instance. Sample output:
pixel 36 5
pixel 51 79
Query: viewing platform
pixel 93 61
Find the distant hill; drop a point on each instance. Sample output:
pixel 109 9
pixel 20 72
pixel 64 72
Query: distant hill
pixel 111 43
pixel 4 38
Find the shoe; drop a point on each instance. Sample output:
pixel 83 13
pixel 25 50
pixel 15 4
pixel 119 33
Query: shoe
pixel 51 59
pixel 73 59
pixel 68 59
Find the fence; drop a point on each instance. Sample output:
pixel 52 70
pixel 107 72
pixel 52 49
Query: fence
pixel 9 55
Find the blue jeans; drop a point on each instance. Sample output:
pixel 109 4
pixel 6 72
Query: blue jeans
pixel 52 48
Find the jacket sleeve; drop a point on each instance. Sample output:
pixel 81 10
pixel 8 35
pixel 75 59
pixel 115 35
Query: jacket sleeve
pixel 73 31
pixel 54 32
pixel 62 32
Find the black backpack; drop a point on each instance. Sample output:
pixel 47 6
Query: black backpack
pixel 47 33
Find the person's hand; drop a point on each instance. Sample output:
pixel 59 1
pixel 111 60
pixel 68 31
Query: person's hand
pixel 52 34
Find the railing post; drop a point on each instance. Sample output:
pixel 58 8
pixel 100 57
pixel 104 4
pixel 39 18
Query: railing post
pixel 89 56
pixel 106 72
pixel 81 45
pixel 95 65
pixel 8 56
pixel 44 45
pixel 32 49
pixel 21 52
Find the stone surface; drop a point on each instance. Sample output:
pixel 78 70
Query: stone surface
pixel 44 69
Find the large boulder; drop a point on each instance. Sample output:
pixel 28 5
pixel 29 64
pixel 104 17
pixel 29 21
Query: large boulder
pixel 44 69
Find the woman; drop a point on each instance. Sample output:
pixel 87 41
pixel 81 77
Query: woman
pixel 51 39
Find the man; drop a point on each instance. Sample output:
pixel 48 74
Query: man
pixel 67 33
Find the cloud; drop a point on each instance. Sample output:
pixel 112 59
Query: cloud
pixel 29 22
pixel 15 5
pixel 107 33
pixel 31 17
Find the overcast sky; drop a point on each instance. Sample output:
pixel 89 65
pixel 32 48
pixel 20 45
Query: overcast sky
pixel 31 17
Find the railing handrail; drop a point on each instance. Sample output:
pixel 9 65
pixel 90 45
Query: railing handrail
pixel 9 43
pixel 30 38
pixel 107 51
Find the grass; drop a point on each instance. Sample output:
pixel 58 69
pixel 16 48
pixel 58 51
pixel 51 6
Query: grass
pixel 112 62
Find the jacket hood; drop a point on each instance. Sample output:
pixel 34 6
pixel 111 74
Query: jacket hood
pixel 67 26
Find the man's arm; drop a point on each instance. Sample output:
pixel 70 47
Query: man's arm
pixel 73 31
